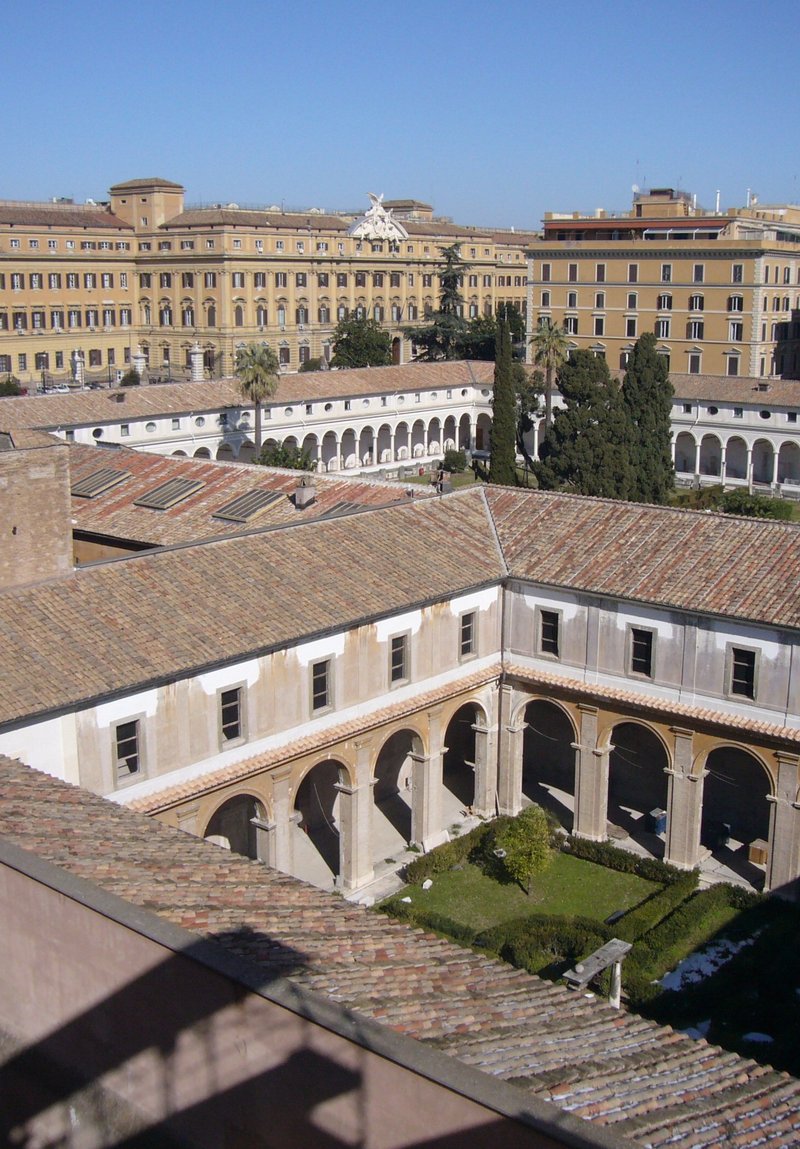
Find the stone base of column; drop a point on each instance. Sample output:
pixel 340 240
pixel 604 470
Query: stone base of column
pixel 433 840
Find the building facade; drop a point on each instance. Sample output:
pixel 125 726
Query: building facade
pixel 721 291
pixel 83 287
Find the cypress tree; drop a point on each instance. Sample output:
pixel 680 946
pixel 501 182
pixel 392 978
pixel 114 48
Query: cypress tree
pixel 585 448
pixel 503 468
pixel 647 395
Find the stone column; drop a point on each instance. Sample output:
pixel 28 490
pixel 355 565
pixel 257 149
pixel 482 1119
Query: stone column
pixel 355 824
pixel 485 766
pixel 509 779
pixel 784 830
pixel 591 779
pixel 723 460
pixel 274 839
pixel 684 805
pixel 775 458
pixel 187 819
pixel 426 801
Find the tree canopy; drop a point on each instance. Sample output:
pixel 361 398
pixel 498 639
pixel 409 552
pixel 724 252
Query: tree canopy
pixel 502 460
pixel 10 386
pixel 442 337
pixel 286 455
pixel 550 350
pixel 479 340
pixel 647 394
pixel 523 844
pixel 361 343
pixel 257 370
pixel 586 447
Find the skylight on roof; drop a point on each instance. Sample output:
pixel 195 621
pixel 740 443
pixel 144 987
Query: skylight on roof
pixel 343 508
pixel 242 508
pixel 166 495
pixel 98 482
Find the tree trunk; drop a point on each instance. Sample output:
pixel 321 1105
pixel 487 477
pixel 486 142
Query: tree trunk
pixel 257 435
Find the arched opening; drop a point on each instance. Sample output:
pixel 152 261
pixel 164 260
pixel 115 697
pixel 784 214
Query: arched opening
pixel 202 453
pixel 762 461
pixel 735 808
pixel 789 463
pixel 183 453
pixel 483 430
pixel 349 448
pixel 392 792
pixel 548 760
pixel 225 452
pixel 311 447
pixel 685 451
pixel 384 445
pixel 449 434
pixel 435 437
pixel 366 447
pixel 418 439
pixel 316 839
pixel 736 458
pixel 711 456
pixel 458 773
pixel 401 445
pixel 232 825
pixel 464 438
pixel 397 351
pixel 247 451
pixel 637 785
pixel 330 457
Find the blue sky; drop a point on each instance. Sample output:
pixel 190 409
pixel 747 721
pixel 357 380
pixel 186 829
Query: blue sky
pixel 493 113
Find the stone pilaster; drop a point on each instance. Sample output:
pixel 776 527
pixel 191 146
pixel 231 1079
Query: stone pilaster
pixel 355 824
pixel 509 779
pixel 784 831
pixel 426 800
pixel 591 779
pixel 684 804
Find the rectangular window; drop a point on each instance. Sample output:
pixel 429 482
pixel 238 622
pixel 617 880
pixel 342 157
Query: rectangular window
pixel 54 281
pixel 187 245
pixel 398 659
pixel 124 429
pixel 738 412
pixel 662 328
pixel 571 325
pixel 320 685
pixel 600 273
pixel 210 279
pixel 698 275
pixel 467 636
pixel 633 273
pixel 737 273
pixel 548 632
pixel 107 279
pixel 301 279
pixel 237 279
pixel 694 364
pixel 572 273
pixel 341 279
pixel 230 714
pixel 735 332
pixel 666 273
pixel 742 676
pixel 695 329
pixel 545 273
pixel 126 749
pixel 599 325
pixel 641 652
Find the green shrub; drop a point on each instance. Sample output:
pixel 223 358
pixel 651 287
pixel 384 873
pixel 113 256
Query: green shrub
pixel 604 854
pixel 446 856
pixel 523 845
pixel 741 502
pixel 544 943
pixel 131 378
pixel 427 919
pixel 454 461
pixel 654 909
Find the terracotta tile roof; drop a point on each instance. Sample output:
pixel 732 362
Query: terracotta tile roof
pixel 646 1084
pixel 60 215
pixel 134 185
pixel 114 513
pixel 88 407
pixel 737 389
pixel 166 614
pixel 686 560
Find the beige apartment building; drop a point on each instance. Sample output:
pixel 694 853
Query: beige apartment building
pixel 83 287
pixel 720 290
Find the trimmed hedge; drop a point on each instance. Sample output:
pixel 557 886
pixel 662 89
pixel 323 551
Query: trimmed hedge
pixel 652 910
pixel 540 942
pixel 604 854
pixel 446 856
pixel 427 920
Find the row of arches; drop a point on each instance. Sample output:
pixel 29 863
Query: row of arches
pixel 735 791
pixel 317 815
pixel 380 445
pixel 734 458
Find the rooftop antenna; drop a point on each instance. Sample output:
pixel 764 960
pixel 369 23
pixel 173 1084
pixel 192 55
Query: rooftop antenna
pixel 716 209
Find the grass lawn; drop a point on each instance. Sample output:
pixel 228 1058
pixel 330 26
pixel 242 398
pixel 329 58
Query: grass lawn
pixel 569 886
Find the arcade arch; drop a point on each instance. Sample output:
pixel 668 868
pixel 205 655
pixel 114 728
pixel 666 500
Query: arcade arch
pixel 637 782
pixel 548 759
pixel 392 793
pixel 231 825
pixel 317 846
pixel 736 807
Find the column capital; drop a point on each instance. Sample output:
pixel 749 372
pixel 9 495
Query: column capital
pixel 587 708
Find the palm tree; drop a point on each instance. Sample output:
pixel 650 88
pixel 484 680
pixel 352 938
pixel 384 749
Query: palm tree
pixel 257 370
pixel 550 350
